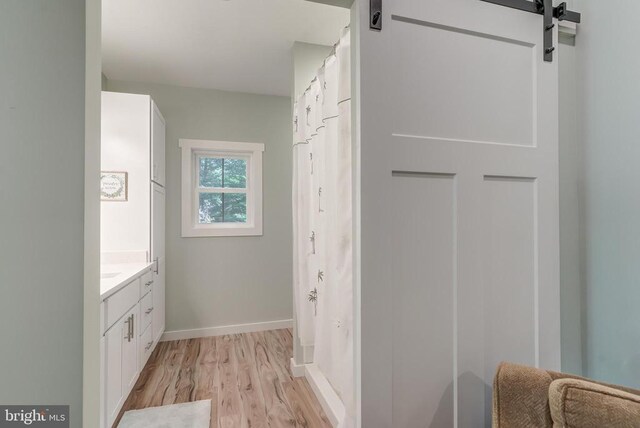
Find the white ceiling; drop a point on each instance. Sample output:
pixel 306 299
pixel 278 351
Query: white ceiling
pixel 234 45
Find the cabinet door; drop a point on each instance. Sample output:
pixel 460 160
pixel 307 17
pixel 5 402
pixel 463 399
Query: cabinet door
pixel 145 346
pixel 130 353
pixel 113 391
pixel 158 254
pixel 159 299
pixel 157 145
pixel 103 386
pixel 157 222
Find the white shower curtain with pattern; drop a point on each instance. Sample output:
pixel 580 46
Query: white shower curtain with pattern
pixel 322 221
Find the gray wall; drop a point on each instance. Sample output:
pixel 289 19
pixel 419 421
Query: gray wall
pixel 42 75
pixel 570 214
pixel 609 107
pixel 307 58
pixel 91 335
pixel 224 281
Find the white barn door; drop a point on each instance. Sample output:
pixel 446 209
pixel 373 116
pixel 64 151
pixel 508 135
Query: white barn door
pixel 459 158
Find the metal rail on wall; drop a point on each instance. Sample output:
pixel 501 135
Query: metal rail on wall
pixel 545 8
pixel 540 7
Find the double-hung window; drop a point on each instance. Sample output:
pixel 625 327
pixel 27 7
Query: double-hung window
pixel 221 188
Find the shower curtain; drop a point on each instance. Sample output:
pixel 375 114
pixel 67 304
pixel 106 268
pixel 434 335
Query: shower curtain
pixel 322 213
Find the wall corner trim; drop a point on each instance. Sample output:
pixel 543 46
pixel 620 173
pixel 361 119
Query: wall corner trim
pixel 297 370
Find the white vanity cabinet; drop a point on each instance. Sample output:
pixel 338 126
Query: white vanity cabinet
pixel 120 358
pixel 128 340
pixel 114 339
pixel 147 311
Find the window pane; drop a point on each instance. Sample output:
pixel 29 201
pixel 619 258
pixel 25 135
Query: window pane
pixel 235 207
pixel 235 174
pixel 226 173
pixel 210 208
pixel 211 172
pixel 222 208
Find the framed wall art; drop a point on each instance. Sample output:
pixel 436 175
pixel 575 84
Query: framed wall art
pixel 114 186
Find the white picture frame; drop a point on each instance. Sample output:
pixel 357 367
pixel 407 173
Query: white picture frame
pixel 114 186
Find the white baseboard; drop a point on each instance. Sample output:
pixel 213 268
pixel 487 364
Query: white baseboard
pixel 225 329
pixel 329 400
pixel 297 370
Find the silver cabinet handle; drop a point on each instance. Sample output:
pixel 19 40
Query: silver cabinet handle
pixel 148 311
pixel 146 348
pixel 131 326
pixel 148 283
pixel 157 262
pixel 128 322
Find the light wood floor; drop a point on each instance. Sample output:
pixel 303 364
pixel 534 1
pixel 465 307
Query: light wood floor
pixel 246 376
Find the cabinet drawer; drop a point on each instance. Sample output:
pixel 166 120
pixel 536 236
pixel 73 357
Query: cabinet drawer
pixel 118 304
pixel 146 281
pixel 146 311
pixel 146 346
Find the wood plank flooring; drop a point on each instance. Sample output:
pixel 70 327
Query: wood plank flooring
pixel 246 376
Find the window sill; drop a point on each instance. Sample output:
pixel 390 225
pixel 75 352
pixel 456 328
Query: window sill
pixel 220 231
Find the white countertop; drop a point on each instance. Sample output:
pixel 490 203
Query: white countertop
pixel 124 273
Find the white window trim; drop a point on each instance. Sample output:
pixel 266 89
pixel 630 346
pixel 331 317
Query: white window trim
pixel 191 150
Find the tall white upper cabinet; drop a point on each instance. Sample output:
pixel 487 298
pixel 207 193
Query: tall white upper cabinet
pixel 126 148
pixel 157 146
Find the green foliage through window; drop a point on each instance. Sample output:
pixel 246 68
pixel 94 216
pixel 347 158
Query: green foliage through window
pixel 222 207
pixel 223 173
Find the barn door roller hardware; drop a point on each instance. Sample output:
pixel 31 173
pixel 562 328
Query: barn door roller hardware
pixel 375 14
pixel 545 8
